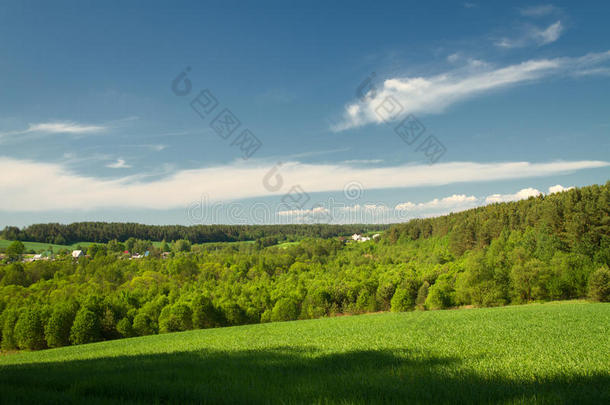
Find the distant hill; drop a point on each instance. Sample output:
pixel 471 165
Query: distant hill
pixel 577 220
pixel 103 232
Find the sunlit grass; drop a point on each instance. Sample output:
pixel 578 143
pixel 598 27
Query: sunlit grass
pixel 545 353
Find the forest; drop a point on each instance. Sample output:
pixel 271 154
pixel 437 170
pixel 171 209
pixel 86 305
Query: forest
pixel 103 232
pixel 553 247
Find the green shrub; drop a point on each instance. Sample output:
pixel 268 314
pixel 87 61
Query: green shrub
pixel 422 295
pixel 29 331
pixel 440 294
pixel 266 316
pixel 143 324
pixel 86 328
pixel 10 317
pixel 15 250
pixel 599 285
pixel 385 293
pixel 285 309
pixel 14 274
pixel 125 328
pixel 57 329
pixel 205 315
pixel 176 318
pixel 365 301
pixel 108 325
pixel 403 300
pixel 232 313
pixel 316 304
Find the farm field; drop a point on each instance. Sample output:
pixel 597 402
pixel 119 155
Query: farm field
pixel 539 353
pixel 42 247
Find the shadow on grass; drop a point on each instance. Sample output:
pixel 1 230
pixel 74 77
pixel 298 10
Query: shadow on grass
pixel 282 375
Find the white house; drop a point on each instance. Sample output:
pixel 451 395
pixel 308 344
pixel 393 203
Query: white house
pixel 37 257
pixel 77 253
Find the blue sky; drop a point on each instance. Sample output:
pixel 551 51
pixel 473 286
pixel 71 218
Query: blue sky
pixel 514 99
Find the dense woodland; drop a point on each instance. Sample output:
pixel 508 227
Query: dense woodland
pixel 103 232
pixel 551 247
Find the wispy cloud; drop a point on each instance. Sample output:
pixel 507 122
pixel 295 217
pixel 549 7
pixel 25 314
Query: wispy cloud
pixel 434 94
pixel 64 127
pixel 154 147
pixel 119 164
pixel 362 161
pixel 538 11
pixel 551 34
pixel 55 127
pixel 34 186
pixel 533 36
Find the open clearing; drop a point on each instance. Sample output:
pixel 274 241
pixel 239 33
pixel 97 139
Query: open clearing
pixel 43 247
pixel 542 353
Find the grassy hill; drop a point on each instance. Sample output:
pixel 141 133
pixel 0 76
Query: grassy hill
pixel 43 247
pixel 542 353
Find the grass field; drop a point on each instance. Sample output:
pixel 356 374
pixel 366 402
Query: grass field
pixel 42 247
pixel 284 245
pixel 543 353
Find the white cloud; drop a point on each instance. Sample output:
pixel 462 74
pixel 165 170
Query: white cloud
pixel 519 195
pixel 119 164
pixel 34 186
pixel 461 202
pixel 363 207
pixel 558 188
pixel 305 212
pixel 593 72
pixel 551 34
pixel 524 194
pixel 538 11
pixel 533 36
pixel 362 161
pixel 458 57
pixel 456 201
pixel 454 57
pixel 153 147
pixel 435 93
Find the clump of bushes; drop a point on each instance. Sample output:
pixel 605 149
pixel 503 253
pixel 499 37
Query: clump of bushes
pixel 599 285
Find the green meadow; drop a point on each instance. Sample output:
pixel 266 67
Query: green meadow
pixel 540 353
pixel 44 247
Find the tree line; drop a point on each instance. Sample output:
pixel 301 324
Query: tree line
pixel 104 232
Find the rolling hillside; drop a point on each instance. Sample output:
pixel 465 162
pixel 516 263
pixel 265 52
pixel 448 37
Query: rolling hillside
pixel 541 353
